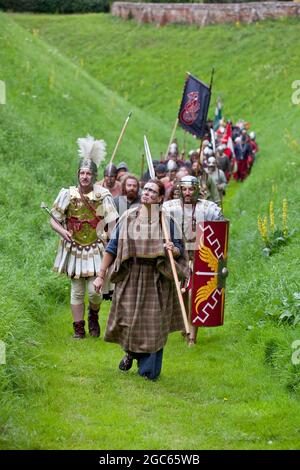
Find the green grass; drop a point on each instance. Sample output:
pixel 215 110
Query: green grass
pixel 83 401
pixel 237 389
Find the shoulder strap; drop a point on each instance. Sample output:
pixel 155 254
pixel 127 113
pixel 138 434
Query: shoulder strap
pixel 86 203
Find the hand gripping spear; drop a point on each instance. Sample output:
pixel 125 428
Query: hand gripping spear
pixel 166 237
pixel 44 206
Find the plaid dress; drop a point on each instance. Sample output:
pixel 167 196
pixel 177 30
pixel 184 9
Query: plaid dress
pixel 145 307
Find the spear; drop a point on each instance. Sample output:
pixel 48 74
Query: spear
pixel 166 237
pixel 44 206
pixel 142 165
pixel 120 137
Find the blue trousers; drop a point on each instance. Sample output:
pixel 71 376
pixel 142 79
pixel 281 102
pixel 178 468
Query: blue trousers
pixel 149 365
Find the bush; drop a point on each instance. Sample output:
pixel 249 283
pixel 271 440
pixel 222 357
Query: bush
pixel 56 6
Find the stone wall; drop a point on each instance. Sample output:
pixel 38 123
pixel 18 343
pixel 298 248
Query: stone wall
pixel 204 14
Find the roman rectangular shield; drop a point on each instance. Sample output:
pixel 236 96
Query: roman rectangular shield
pixel 209 274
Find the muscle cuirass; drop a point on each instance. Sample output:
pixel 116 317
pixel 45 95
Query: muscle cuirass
pixel 82 222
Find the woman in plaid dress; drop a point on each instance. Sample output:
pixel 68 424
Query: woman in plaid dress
pixel 145 308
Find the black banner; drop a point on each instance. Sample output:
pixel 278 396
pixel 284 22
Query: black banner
pixel 194 106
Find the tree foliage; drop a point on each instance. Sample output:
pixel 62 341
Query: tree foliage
pixel 56 6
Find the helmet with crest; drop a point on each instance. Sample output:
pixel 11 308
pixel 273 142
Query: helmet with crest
pixel 91 152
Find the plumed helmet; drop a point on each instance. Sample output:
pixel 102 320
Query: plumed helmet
pixel 91 152
pixel 87 164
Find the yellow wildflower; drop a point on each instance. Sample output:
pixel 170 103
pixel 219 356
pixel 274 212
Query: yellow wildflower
pixel 272 217
pixel 284 217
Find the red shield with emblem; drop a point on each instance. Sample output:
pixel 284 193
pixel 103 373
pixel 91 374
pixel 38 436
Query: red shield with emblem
pixel 209 274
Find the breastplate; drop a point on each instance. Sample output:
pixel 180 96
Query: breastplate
pixel 82 222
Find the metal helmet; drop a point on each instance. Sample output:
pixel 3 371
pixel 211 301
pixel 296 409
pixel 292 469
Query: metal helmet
pixel 91 152
pixel 122 166
pixel 110 170
pixel 192 182
pixel 88 164
pixel 221 148
pixel 208 152
pixel 173 149
pixel 171 165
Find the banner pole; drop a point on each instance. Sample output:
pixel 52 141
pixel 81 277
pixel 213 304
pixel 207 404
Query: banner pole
pixel 172 137
pixel 203 124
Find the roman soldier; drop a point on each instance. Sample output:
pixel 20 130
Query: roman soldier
pixel 188 211
pixel 84 216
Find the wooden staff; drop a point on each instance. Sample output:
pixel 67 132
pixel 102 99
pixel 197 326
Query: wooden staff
pixel 120 138
pixel 166 237
pixel 176 280
pixel 172 137
pixel 204 122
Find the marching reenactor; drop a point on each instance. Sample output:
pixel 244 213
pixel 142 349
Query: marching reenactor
pixel 189 211
pixel 217 175
pixel 110 180
pixel 129 196
pixel 144 308
pixel 80 215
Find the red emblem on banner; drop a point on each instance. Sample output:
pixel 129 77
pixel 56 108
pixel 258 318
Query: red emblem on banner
pixel 190 111
pixel 209 274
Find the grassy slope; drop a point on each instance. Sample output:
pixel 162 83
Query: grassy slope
pixel 230 378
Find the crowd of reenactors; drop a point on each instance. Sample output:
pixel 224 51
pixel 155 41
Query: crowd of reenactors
pixel 96 219
pixel 214 164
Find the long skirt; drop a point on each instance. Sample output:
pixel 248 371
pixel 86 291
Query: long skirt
pixel 144 310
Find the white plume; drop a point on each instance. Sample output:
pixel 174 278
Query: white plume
pixel 93 149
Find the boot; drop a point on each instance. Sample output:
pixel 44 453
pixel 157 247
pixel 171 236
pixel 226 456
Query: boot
pixel 79 332
pixel 126 362
pixel 94 327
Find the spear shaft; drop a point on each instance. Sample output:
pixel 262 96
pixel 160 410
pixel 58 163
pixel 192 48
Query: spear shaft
pixel 120 138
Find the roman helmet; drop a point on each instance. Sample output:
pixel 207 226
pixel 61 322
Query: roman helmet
pixel 92 153
pixel 192 182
